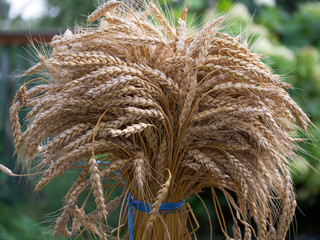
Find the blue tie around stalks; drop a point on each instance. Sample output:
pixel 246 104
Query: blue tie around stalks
pixel 146 207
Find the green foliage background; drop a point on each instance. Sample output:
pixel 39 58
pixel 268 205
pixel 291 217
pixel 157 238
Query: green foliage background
pixel 288 33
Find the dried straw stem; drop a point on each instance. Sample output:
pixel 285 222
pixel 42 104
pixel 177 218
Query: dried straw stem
pixel 152 98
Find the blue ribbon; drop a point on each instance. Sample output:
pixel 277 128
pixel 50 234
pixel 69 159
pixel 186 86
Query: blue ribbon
pixel 146 207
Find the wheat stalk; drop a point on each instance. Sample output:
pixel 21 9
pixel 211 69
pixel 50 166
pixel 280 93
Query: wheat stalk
pixel 202 106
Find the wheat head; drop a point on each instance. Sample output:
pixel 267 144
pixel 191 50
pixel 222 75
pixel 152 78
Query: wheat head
pixel 175 112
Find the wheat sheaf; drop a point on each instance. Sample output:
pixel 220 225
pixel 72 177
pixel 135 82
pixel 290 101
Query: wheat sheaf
pixel 164 114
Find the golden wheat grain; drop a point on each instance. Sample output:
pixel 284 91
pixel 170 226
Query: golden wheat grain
pixel 62 221
pixel 101 10
pixel 95 179
pixel 139 173
pixel 155 99
pixel 161 196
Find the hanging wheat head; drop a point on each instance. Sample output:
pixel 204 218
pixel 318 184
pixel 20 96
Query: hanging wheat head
pixel 174 113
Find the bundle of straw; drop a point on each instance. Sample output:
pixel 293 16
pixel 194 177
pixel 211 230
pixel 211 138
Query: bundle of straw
pixel 169 114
